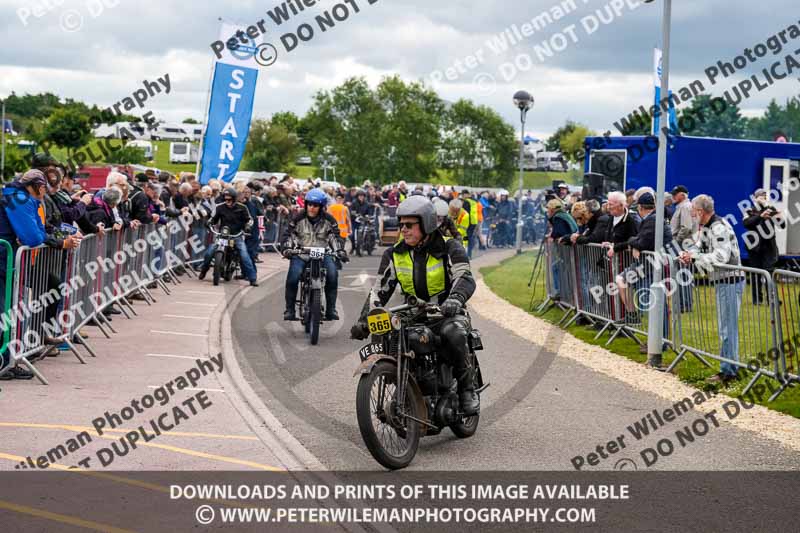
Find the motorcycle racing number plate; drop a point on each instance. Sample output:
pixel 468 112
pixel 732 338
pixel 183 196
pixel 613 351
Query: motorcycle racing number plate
pixel 222 242
pixel 317 253
pixel 370 349
pixel 379 323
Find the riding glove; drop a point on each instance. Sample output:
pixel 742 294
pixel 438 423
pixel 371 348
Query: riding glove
pixel 451 307
pixel 359 331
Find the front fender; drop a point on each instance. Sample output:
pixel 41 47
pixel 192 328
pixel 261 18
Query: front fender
pixel 422 410
pixel 366 365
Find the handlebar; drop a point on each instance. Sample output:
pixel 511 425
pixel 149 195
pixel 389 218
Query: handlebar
pixel 219 233
pixel 307 249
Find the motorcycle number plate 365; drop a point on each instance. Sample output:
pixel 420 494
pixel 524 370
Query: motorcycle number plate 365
pixel 317 253
pixel 379 323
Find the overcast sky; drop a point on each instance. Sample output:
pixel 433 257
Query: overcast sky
pixel 595 80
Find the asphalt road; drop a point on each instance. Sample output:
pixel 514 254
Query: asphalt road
pixel 539 412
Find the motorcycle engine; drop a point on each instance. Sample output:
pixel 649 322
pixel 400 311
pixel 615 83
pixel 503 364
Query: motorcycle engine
pixel 422 340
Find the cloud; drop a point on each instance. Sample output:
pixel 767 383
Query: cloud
pixel 595 80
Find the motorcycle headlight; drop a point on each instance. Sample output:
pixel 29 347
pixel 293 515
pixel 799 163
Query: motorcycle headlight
pixel 395 322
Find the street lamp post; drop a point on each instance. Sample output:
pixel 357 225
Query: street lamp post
pixel 523 101
pixel 655 330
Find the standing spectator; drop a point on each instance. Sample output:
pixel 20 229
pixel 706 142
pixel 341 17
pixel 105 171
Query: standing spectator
pixel 716 243
pixel 683 227
pixel 139 202
pixel 472 211
pixel 644 241
pixel 563 225
pixel 73 205
pixel 22 223
pixel 505 214
pixel 621 226
pixel 460 218
pixel 761 223
pixel 341 213
pixel 669 207
pixel 184 196
pixel 594 224
pixel 253 239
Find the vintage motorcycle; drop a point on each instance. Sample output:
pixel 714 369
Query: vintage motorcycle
pixel 312 287
pixel 365 235
pixel 226 255
pixel 407 389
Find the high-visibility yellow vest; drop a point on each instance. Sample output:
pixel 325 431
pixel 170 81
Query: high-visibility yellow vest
pixel 473 211
pixel 434 277
pixel 342 216
pixel 462 224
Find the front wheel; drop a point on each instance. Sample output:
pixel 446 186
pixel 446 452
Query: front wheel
pixel 391 438
pixel 219 259
pixel 315 315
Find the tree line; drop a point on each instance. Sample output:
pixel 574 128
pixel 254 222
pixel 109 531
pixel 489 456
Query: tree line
pixel 777 120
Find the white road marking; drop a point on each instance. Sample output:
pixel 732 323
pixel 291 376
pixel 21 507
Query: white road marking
pixel 188 388
pixel 204 292
pixel 178 333
pixel 189 317
pixel 196 303
pixel 203 357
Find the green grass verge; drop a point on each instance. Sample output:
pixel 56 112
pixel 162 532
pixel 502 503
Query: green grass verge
pixel 509 280
pixel 161 156
pixel 530 179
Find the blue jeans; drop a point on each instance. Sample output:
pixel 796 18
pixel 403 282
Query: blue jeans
pixel 557 276
pixel 253 242
pixel 729 300
pixel 244 258
pixel 296 267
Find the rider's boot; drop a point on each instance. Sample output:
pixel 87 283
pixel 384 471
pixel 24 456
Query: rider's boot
pixel 289 315
pixel 468 399
pixel 331 315
pixel 203 272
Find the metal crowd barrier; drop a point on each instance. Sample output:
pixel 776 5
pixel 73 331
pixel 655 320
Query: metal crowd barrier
pixel 735 315
pixel 54 293
pixel 787 304
pixel 272 235
pixel 726 323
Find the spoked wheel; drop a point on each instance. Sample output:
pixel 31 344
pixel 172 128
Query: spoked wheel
pixel 391 438
pixel 219 256
pixel 304 308
pixel 314 315
pixel 230 271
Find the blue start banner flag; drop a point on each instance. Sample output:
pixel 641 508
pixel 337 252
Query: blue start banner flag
pixel 229 111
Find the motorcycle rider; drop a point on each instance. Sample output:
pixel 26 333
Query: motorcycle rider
pixel 360 206
pixel 313 227
pixel 237 218
pixel 436 270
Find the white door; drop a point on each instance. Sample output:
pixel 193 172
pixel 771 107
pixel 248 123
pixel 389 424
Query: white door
pixel 776 183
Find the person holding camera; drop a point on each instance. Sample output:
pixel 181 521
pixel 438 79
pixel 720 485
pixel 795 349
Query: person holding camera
pixel 761 223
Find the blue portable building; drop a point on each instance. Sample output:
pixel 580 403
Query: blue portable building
pixel 728 170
